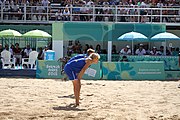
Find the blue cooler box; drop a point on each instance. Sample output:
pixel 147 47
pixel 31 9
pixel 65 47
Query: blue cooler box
pixel 49 55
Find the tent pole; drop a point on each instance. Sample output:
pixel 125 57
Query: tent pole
pixel 36 44
pixel 109 50
pixel 165 47
pixel 132 48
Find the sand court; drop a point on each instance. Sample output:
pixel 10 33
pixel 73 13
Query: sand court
pixel 48 99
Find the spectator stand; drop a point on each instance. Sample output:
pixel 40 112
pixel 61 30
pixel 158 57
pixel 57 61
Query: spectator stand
pixel 92 11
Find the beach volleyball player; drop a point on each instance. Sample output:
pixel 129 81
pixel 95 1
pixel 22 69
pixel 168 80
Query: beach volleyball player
pixel 75 70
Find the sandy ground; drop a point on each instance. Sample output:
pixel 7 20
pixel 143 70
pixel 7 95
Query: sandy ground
pixel 31 99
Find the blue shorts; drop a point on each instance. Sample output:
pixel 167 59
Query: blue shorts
pixel 71 74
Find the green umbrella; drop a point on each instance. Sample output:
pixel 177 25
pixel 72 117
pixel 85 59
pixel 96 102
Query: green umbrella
pixel 10 33
pixel 37 34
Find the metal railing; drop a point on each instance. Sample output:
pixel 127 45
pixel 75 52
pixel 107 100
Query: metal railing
pixel 47 14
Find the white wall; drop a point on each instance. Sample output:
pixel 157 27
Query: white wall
pixel 57 46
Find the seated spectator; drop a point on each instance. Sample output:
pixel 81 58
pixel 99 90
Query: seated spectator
pixel 90 2
pixel 98 49
pixel 66 14
pixel 45 49
pixel 143 12
pixel 22 51
pixel 58 15
pixel 17 54
pixel 40 54
pixel 154 51
pixel 132 12
pixel 40 12
pixel 45 4
pixel 177 52
pixel 172 50
pixel 99 12
pixel 114 51
pixel 1 48
pixel 126 51
pixel 69 48
pixel 160 4
pixel 20 14
pixel 91 47
pixel 165 13
pixel 122 11
pixel 11 49
pixel 83 10
pixel 6 47
pixel 161 51
pixel 86 47
pixel 27 51
pixel 77 47
pixel 124 59
pixel 140 50
pixel 168 51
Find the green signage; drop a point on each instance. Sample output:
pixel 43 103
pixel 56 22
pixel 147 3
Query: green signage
pixel 52 69
pixel 48 69
pixel 172 75
pixel 101 31
pixel 133 70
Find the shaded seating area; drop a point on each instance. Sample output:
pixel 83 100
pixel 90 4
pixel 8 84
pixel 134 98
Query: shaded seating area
pixel 9 62
pixel 21 49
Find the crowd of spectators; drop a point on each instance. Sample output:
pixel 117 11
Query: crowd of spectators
pixel 18 52
pixel 140 49
pixel 82 10
pixel 75 47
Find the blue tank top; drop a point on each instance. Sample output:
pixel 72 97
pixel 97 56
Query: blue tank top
pixel 78 57
pixel 76 65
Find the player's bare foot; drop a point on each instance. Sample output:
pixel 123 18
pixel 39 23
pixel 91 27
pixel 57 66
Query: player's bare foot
pixel 77 104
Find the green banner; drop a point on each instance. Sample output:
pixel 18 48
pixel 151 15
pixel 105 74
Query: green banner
pixel 57 31
pixel 170 62
pixel 101 31
pixel 133 70
pixel 172 75
pixel 48 69
pixel 52 69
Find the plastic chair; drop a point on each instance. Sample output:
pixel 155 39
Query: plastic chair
pixel 6 59
pixel 31 60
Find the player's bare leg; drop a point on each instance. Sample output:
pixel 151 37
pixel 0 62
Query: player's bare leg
pixel 76 85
